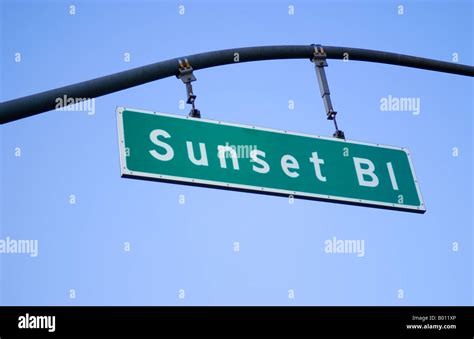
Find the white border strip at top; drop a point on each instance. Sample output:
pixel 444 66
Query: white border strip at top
pixel 125 171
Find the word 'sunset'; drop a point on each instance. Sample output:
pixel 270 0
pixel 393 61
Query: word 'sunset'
pixel 364 168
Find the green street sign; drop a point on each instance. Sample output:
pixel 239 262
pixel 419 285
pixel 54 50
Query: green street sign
pixel 184 150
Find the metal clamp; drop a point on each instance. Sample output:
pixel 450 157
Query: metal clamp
pixel 319 60
pixel 186 75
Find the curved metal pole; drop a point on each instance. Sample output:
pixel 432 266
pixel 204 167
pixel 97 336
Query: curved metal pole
pixel 37 103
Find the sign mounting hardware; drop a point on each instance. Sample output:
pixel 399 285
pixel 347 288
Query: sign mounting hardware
pixel 319 60
pixel 186 75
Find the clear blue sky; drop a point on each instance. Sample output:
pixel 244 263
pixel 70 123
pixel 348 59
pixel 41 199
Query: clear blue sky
pixel 190 246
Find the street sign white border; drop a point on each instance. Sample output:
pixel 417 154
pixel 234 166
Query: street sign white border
pixel 125 172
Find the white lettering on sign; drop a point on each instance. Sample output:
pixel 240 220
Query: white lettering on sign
pixel 222 151
pixel 364 168
pixel 393 180
pixel 254 158
pixel 287 162
pixel 154 139
pixel 317 166
pixel 192 157
pixel 365 172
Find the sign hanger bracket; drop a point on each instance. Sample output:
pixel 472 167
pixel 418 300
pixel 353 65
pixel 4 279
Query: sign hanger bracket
pixel 186 75
pixel 319 60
